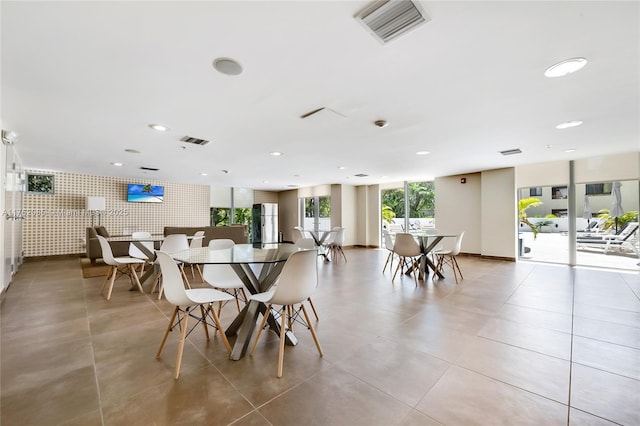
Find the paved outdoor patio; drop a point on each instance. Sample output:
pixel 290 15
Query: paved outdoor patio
pixel 554 248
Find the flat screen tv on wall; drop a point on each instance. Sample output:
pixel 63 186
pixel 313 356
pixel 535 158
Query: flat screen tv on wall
pixel 141 193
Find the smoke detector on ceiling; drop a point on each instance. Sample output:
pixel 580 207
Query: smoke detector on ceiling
pixel 388 19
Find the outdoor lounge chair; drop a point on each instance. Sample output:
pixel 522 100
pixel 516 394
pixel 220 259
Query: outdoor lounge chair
pixel 626 239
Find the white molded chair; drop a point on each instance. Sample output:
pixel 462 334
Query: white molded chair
pixel 388 244
pixel 196 242
pixel 298 279
pixel 172 243
pixel 335 246
pixel 296 234
pixel 449 257
pixel 406 247
pixel 185 301
pixel 136 252
pixel 309 244
pixel 223 277
pixel 116 262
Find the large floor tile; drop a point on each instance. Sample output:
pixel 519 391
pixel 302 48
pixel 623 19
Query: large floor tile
pixel 335 397
pixel 545 341
pixel 607 332
pixel 397 370
pixel 532 371
pixel 619 359
pixel 605 395
pixel 463 397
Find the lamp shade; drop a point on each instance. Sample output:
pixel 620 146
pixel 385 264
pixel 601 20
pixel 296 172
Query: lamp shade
pixel 96 203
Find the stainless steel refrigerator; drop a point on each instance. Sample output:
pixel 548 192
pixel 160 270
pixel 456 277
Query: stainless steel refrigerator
pixel 264 227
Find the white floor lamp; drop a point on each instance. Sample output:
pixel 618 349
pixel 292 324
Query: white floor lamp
pixel 95 204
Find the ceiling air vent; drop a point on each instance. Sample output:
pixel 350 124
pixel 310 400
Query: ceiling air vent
pixel 511 151
pixel 388 19
pixel 194 141
pixel 152 169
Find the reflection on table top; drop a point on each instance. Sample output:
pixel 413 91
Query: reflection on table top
pixel 240 253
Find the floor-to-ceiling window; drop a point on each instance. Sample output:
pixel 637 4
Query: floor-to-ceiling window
pixel 316 213
pixel 419 198
pixel 571 223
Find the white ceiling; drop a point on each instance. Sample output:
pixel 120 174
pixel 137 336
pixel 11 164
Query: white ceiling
pixel 81 82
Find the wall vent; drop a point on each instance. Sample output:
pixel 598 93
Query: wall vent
pixel 152 169
pixel 511 151
pixel 388 19
pixel 194 141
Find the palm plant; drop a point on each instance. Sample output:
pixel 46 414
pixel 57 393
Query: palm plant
pixel 523 205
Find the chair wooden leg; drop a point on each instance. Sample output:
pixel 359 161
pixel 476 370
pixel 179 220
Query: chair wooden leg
pixel 183 337
pixel 313 331
pixel 184 277
pixel 389 258
pixel 244 296
pixel 106 280
pixel 401 261
pixel 200 273
pixel 113 279
pixel 166 333
pixel 313 308
pixel 262 324
pixel 283 332
pixel 134 277
pixel 216 320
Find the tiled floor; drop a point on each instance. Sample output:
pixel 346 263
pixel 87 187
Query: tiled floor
pixel 512 344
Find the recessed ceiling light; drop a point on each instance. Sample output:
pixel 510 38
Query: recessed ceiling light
pixel 292 186
pixel 132 151
pixel 570 150
pixel 296 176
pixel 159 127
pixel 423 153
pixel 227 66
pixel 224 171
pixel 265 181
pixel 565 67
pixel 548 146
pixel 341 167
pixel 569 124
pixel 118 164
pixel 204 174
pixel 275 153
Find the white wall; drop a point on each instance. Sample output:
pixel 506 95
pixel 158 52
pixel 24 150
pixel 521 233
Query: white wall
pixel 287 213
pixel 498 213
pixel 544 174
pixel 458 208
pixel 349 213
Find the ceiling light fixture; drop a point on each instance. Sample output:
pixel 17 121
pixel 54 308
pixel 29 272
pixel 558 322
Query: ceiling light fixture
pixel 159 127
pixel 423 153
pixel 380 123
pixel 565 67
pixel 227 66
pixel 118 164
pixel 341 167
pixel 570 150
pixel 204 174
pixel 569 124
pixel 275 153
